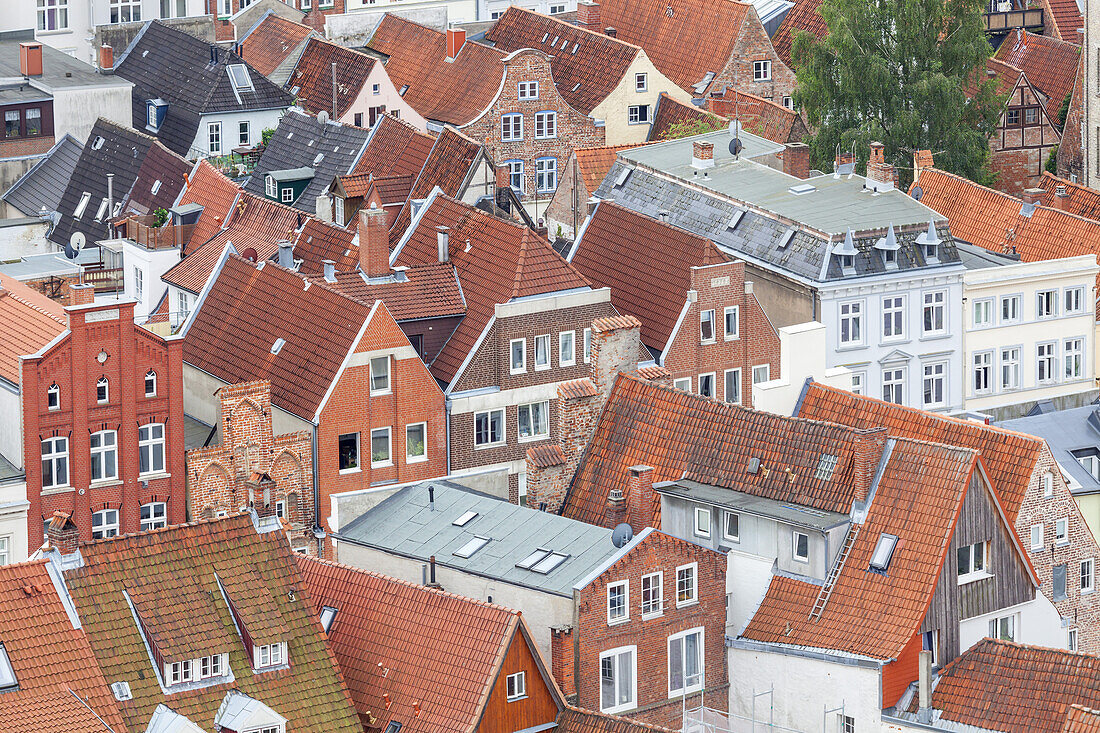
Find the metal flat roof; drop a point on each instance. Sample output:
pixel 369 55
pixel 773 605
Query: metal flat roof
pixel 405 524
pixel 739 501
pixel 32 267
pixel 1065 431
pixel 59 69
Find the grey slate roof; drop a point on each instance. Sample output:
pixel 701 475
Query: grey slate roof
pixel 1065 431
pixel 297 142
pixel 757 237
pixel 405 524
pixel 40 188
pixel 167 63
pixel 974 257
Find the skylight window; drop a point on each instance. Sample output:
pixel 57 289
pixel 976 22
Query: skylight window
pixel 787 237
pixel 549 562
pixel 623 175
pixel 328 615
pixel 735 219
pixel 472 546
pixel 464 519
pixel 7 674
pixel 278 345
pixel 318 158
pixel 238 74
pixel 156 187
pixel 101 210
pixel 80 207
pixel 534 557
pixel 545 36
pixel 825 467
pixel 884 552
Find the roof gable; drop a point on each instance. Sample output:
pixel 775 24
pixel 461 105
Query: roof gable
pixel 34 321
pixel 805 15
pixel 1080 200
pixel 763 117
pixel 1050 65
pixel 671 112
pixel 210 189
pixel 272 40
pixel 395 148
pixel 312 76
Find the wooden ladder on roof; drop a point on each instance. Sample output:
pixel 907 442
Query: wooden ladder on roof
pixel 834 572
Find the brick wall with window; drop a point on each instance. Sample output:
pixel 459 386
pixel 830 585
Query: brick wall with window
pixel 532 125
pixel 754 67
pixel 650 627
pixel 102 441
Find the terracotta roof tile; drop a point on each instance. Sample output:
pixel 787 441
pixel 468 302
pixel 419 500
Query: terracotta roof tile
pixel 685 39
pixel 578 388
pixel 1009 457
pixel 805 15
pixel 578 720
pixel 671 112
pixel 545 456
pixel 391 189
pixel 1050 64
pixel 594 163
pixel 310 693
pixel 650 283
pixel 1067 19
pixel 249 307
pixel 924 522
pixel 319 241
pixel 33 321
pixel 429 291
pixel 587 66
pixel 216 194
pixel 313 76
pixel 52 661
pixel 654 373
pixel 1081 200
pixel 496 261
pixel 759 116
pixel 1080 719
pixel 455 92
pixel 395 148
pixel 1004 686
pixel 271 42
pixel 442 649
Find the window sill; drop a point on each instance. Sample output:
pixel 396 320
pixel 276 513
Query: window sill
pixel 648 616
pixel 619 709
pixel 515 372
pixel 534 438
pixel 104 483
pixel 702 536
pixel 704 342
pixel 517 699
pixel 1040 548
pixel 345 471
pixel 619 622
pixel 682 693
pixel 1062 543
pixel 153 475
pixel 1086 592
pixel 381 464
pixel 851 347
pixel 47 491
pixel 380 392
pixel 542 368
pixel 567 363
pixel 58 32
pixel 934 336
pixel 974 577
pixel 498 444
pixel 735 337
pixel 686 604
pixel 415 459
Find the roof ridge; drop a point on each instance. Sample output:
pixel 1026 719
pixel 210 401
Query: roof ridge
pixel 521 261
pixel 599 36
pixel 32 306
pixel 632 721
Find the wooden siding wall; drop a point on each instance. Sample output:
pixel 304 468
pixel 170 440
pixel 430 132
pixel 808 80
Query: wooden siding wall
pixel 538 708
pixel 1010 584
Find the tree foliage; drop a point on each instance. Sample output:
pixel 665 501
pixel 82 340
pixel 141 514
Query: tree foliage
pixel 884 73
pixel 688 128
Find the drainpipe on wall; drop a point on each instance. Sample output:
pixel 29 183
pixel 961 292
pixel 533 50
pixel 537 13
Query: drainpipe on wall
pixel 447 402
pixel 316 497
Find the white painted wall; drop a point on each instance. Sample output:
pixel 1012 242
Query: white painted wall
pixel 614 110
pixel 257 120
pixel 152 264
pixel 387 96
pixel 24 239
pixel 11 426
pixel 13 521
pixel 76 109
pixel 487 8
pixel 747 580
pixel 1037 622
pixel 802 355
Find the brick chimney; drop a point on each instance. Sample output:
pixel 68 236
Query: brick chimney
pixel 562 654
pixel 456 38
pixel 867 452
pixel 504 176
pixel 640 496
pixel 702 154
pixel 615 347
pixel 1061 197
pixel 922 161
pixel 614 512
pixel 374 243
pixel 1033 196
pixel 81 294
pixel 880 174
pixel 106 59
pixel 261 494
pixel 796 160
pixel 62 534
pixel 30 58
pixel 588 15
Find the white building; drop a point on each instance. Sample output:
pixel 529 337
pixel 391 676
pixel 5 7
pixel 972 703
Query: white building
pixel 1029 335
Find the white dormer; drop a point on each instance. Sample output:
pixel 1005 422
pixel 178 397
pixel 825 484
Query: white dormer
pixel 929 243
pixel 846 254
pixel 268 656
pixel 889 247
pixel 243 714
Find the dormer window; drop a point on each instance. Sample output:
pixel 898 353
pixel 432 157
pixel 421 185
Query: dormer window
pixel 930 242
pixel 102 390
pixel 846 254
pixel 269 655
pixel 53 397
pixel 177 673
pixel 211 666
pixel 155 111
pixel 269 187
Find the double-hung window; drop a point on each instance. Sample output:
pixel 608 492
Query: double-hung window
pixel 1046 304
pixel 587 345
pixel 731 316
pixel 542 352
pixel 733 386
pixel 641 82
pixel 153 515
pixel 1073 356
pixel 1044 363
pixel 214 136
pixel 637 114
pixel 1088 573
pixel 1074 300
pixel 55 462
pixel 104 446
pixel 1010 367
pixel 546 125
pixel 534 421
pixel 893 317
pixel 488 428
pixel 982 313
pixel 511 127
pixel 567 355
pixel 706 326
pixel 151 448
pixel 528 90
pixel 53 15
pixel 125 11
pixel 652 591
pixel 983 372
pixel 1010 309
pixel 893 385
pixel 762 70
pixel 934 304
pixel 381 447
pixel 686 591
pixel 515 174
pixel 618 679
pixel 618 602
pixel 935 390
pixel 104 524
pixel 851 323
pixel 685 662
pixel 546 174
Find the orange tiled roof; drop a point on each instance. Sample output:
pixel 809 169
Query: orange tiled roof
pixel 271 42
pixel 649 283
pixel 594 163
pixel 1080 719
pixel 215 193
pixel 1009 457
pixel 923 521
pixel 33 321
pixel 395 148
pixel 310 693
pixel 763 117
pixel 390 189
pixel 587 66
pixel 685 39
pixel 1067 19
pixel 579 720
pixel 670 112
pixel 992 219
pixel 1082 200
pixel 1050 65
pixel 319 241
pixel 52 661
pixel 444 655
pixel 805 15
pixel 448 91
pixel 313 76
pixel 1013 687
pixel 430 291
pixel 496 260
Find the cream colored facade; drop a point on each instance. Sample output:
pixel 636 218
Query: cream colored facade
pixel 379 91
pixel 1030 335
pixel 615 109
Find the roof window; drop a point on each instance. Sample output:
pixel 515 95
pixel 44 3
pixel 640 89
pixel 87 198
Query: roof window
pixel 97 143
pixel 238 74
pixel 82 205
pixel 884 552
pixel 735 219
pixel 787 237
pixel 464 519
pixel 623 175
pixel 471 546
pixel 554 42
pixel 575 47
pixel 328 615
pixel 825 467
pixel 393 727
pixel 544 37
pixel 542 561
pixel 156 187
pixel 404 89
pixel 278 345
pixel 7 674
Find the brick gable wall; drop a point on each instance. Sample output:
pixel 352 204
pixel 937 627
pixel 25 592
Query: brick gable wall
pixel 560 212
pixel 1020 152
pixel 752 45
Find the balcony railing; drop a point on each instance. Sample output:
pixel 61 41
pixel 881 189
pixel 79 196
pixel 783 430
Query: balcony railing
pixel 140 229
pixel 105 279
pixel 1003 22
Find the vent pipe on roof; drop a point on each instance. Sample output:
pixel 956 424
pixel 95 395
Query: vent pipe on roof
pixel 110 198
pixel 330 270
pixel 431 500
pixel 431 574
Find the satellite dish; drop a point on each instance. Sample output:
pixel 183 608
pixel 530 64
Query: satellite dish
pixel 621 535
pixel 249 254
pixel 322 117
pixel 917 193
pixel 736 146
pixel 76 243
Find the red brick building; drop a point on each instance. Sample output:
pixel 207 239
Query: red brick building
pixel 103 420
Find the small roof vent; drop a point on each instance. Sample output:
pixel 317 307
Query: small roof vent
pixel 121 691
pixel 754 465
pixel 802 189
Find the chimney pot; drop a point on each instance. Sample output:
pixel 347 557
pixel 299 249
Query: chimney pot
pixel 610 32
pixel 456 39
pixel 30 58
pixel 330 270
pixel 1033 195
pixel 442 237
pixel 615 511
pixel 702 154
pixel 1060 190
pixel 640 490
pixel 374 243
pixel 62 534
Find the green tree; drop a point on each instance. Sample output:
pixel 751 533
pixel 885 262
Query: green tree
pixel 1052 161
pixel 883 73
pixel 697 126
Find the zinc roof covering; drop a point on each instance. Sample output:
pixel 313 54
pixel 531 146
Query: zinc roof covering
pixel 309 693
pixel 40 189
pixel 32 319
pixel 406 524
pixel 1050 65
pixel 443 650
pixel 1064 431
pixel 273 40
pixel 313 76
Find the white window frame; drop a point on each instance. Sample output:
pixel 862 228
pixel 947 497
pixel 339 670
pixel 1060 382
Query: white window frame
pixel 5 550
pixel 358 453
pixel 1046 362
pixel 214 137
pixel 57 455
pixel 102 452
pixel 532 409
pixel 725 527
pixel 546 171
pixel 1061 531
pixel 735 311
pixel 1037 531
pixel 82 205
pixel 60 10
pixel 546 125
pixel 587 345
pixel 388 460
pixel 933 377
pixel 546 362
pixel 526 90
pixel 726 384
pixel 1073 300
pixel 108 525
pixel 286 196
pixel 641 82
pixel 154 447
pixel 893 318
pixel 139 284
pixel 637 114
pixel 707 378
pixel 1048 484
pixel 701 646
pixel 1071 640
pixel 102 391
pixel 569 337
pixel 762 70
pixel 150 383
pixel 156 519
pixel 702 522
pixel 1046 304
pixel 377 372
pixel 794 546
pixel 623 612
pixel 934 313
pixel 212 666
pixel 266 656
pixel 694 568
pixel 522 368
pixel 503 428
pixel 244 133
pixel 511 127
pixel 410 458
pixel 132 10
pixel 1010 367
pixel 982 372
pixel 1011 303
pixel 515 175
pixel 53 397
pixel 516 686
pixel 981 313
pixel 178 673
pixel 683 383
pixel 706 316
pixel 614 654
pixel 972 574
pixel 893 384
pixel 270 187
pixel 996 623
pixel 850 332
pixel 1073 358
pixel 1088 575
pixel 648 610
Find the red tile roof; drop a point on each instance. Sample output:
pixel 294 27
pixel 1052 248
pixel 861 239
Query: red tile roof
pixel 1067 19
pixel 671 112
pixel 578 720
pixel 683 38
pixel 1050 64
pixel 395 148
pixel 52 661
pixel 215 193
pixel 804 16
pixel 587 66
pixel 763 117
pixel 496 261
pixel 1013 687
pixel 992 219
pixel 447 91
pixel 651 282
pixel 594 163
pixel 924 522
pixel 1008 457
pixel 391 189
pixel 1080 719
pixel 313 76
pixel 1082 200
pixel 32 319
pixel 271 42
pixel 258 573
pixel 443 651
pixel 429 291
pixel 249 307
pixel 319 241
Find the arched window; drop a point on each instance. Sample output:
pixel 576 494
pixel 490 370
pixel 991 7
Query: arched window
pixel 102 391
pixel 53 397
pixel 150 383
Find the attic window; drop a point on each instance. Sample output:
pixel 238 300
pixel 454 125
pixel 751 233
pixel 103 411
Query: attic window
pixel 393 727
pixel 575 47
pixel 294 90
pixel 7 674
pixel 534 557
pixel 544 37
pixel 825 467
pixel 576 86
pixel 328 615
pixel 471 546
pixel 278 345
pixel 884 552
pixel 97 143
pixel 554 42
pixel 548 563
pixel 404 89
pixel 623 175
pixel 82 205
pixel 238 74
pixel 156 187
pixel 318 158
pixel 464 519
pixel 101 210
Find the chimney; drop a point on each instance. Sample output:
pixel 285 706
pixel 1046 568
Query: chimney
pixel 330 270
pixel 323 207
pixel 1061 197
pixel 442 243
pixel 504 176
pixel 374 243
pixel 588 15
pixel 924 687
pixel 1033 196
pixel 286 254
pixel 81 294
pixel 260 490
pixel 456 38
pixel 880 173
pixel 62 534
pixel 615 347
pixel 106 59
pixel 431 574
pixel 922 161
pixel 702 154
pixel 640 494
pixel 796 160
pixel 610 32
pixel 615 511
pixel 867 452
pixel 30 58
